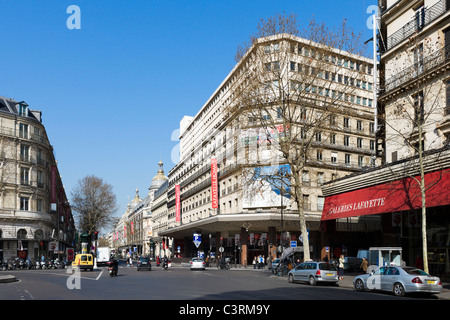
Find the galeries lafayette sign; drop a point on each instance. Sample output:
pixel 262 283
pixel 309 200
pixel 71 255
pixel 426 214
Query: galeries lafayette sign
pixel 399 195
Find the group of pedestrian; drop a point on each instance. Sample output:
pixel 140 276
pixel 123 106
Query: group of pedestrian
pixel 364 266
pixel 259 262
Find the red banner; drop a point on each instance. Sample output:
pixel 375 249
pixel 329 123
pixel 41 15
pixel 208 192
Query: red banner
pixel 214 186
pixel 395 196
pixel 177 202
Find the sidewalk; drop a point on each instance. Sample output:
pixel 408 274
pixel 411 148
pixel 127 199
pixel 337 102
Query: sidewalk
pixel 348 282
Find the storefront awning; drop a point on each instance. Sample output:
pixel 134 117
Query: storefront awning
pixel 399 195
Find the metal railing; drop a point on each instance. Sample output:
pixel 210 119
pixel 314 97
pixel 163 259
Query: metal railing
pixel 435 59
pixel 422 18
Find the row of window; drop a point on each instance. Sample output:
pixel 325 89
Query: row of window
pixel 313 53
pixel 330 93
pixel 326 75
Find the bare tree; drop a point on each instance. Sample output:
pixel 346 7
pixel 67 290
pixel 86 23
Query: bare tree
pixel 94 203
pixel 414 114
pixel 293 104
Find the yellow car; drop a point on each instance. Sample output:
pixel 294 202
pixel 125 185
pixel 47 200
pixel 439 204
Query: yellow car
pixel 83 261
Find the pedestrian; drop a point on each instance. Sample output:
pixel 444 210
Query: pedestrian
pixel 254 263
pixel 364 265
pixel 341 267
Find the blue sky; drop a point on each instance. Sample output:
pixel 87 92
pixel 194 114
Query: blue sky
pixel 113 92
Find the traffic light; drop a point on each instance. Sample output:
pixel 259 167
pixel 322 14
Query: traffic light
pixel 96 235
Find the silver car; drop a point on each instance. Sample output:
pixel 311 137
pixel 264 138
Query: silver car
pixel 198 263
pixel 398 280
pixel 314 272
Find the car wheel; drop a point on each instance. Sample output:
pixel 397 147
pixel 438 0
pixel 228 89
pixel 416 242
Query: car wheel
pixel 359 285
pixel 312 281
pixel 291 278
pixel 398 290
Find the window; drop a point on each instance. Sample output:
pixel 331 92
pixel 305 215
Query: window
pixel 319 155
pixel 346 141
pixel 360 161
pixel 372 145
pixel 24 176
pixel 347 159
pixel 23 110
pixel 305 178
pixel 320 202
pixel 40 180
pixel 24 203
pixel 24 152
pixel 333 157
pixel 318 136
pixel 372 128
pixel 320 179
pixel 346 123
pixel 306 204
pixel 394 156
pixel 359 126
pixel 293 66
pixel 332 138
pixel 23 131
pixel 359 143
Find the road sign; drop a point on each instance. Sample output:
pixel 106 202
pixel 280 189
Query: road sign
pixel 294 244
pixel 221 249
pixel 197 239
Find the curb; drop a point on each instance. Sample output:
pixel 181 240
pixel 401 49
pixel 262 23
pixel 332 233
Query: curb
pixel 7 279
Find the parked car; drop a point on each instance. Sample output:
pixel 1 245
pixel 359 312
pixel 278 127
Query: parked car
pixel 144 263
pixel 398 280
pixel 275 263
pixel 198 263
pixel 314 272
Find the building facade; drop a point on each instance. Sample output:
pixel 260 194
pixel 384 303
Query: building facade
pixel 134 231
pixel 235 218
pixel 35 215
pixel 414 122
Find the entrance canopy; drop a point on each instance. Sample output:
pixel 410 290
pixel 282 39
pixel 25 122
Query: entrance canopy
pixel 398 195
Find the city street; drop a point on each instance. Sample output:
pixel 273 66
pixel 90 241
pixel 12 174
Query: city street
pixel 177 283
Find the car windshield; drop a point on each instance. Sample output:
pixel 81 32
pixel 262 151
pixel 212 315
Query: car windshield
pixel 415 271
pixel 327 266
pixel 197 260
pixel 143 259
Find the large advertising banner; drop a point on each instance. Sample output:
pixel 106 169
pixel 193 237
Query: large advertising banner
pixel 214 185
pixel 177 202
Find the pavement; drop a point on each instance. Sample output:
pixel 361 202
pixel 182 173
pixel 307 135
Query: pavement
pixel 346 283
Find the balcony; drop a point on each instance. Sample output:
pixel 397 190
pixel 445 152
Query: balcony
pixel 421 19
pixel 433 60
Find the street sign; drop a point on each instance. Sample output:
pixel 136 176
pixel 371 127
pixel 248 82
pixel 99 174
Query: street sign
pixel 221 249
pixel 197 239
pixel 294 244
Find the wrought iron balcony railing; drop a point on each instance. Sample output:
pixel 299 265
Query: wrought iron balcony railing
pixel 422 18
pixel 433 60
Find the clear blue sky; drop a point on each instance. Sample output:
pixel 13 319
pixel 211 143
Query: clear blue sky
pixel 113 92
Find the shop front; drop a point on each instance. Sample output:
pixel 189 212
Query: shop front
pixel 399 204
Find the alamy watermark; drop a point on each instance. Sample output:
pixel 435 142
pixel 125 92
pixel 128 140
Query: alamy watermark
pixel 74 20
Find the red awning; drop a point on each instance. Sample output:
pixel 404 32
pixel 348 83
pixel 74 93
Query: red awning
pixel 399 195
